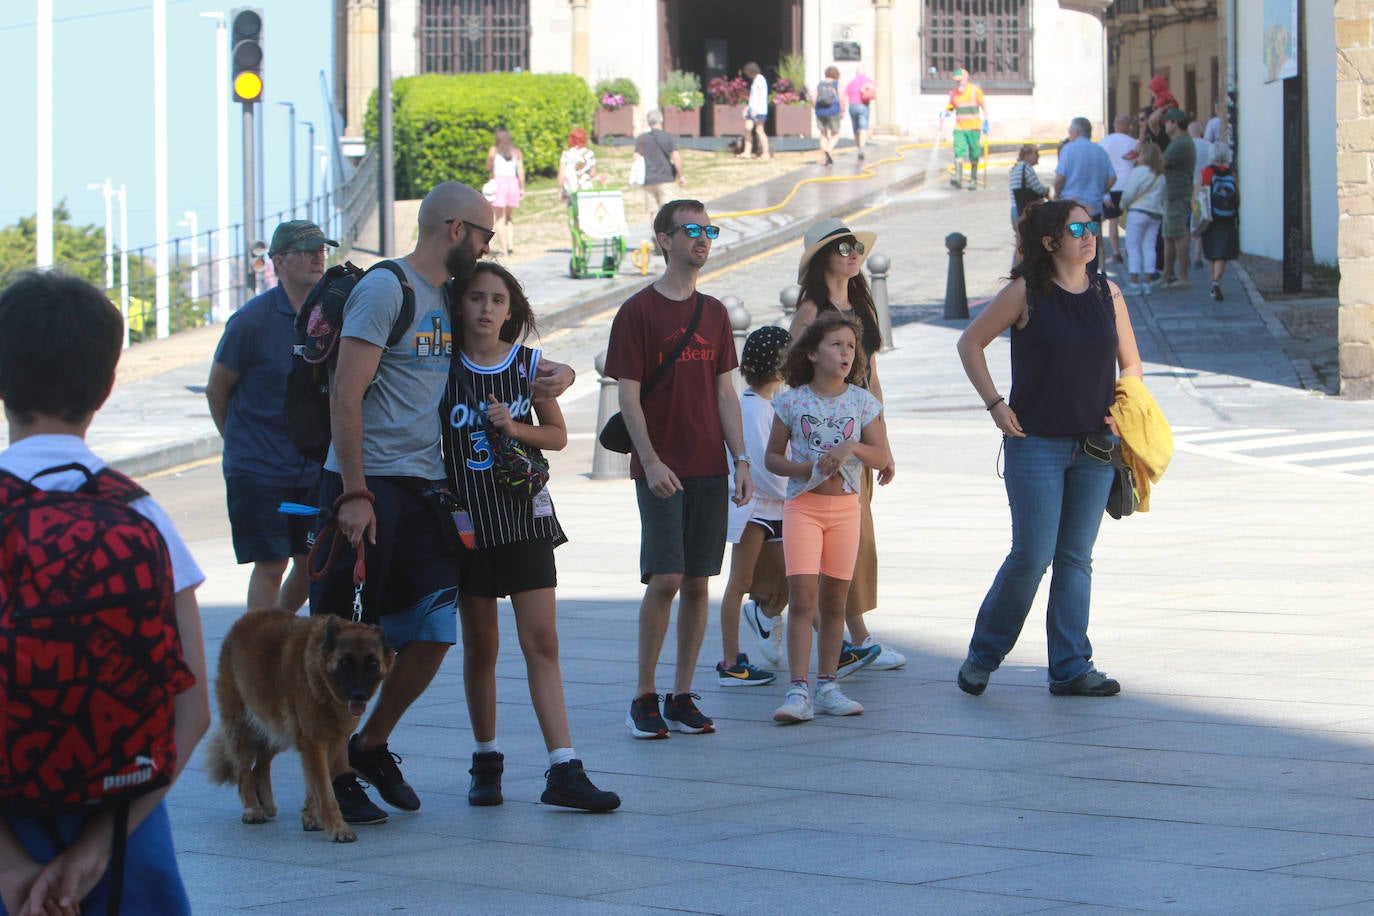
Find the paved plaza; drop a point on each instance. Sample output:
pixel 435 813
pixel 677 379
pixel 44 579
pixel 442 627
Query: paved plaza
pixel 1234 773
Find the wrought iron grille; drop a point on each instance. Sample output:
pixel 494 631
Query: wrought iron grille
pixel 991 39
pixel 474 36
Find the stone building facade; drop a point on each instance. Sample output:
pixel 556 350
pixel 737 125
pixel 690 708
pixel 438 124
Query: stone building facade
pixel 1354 29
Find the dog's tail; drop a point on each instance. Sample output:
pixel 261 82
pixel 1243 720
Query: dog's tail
pixel 218 765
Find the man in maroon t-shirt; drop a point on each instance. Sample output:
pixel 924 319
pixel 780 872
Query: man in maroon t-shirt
pixel 678 465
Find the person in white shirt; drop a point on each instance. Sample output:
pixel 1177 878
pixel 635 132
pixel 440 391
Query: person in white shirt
pixel 1119 144
pixel 1204 156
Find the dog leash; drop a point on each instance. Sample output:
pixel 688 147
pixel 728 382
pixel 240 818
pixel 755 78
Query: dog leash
pixel 329 532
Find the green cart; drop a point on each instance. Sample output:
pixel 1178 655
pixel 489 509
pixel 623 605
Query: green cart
pixel 596 219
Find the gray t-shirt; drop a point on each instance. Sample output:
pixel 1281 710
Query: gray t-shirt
pixel 401 410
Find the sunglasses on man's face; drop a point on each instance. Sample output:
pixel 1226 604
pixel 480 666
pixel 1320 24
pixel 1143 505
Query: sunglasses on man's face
pixel 1078 229
pixel 483 232
pixel 847 248
pixel 694 230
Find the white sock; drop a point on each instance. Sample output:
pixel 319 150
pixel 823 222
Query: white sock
pixel 561 755
pixel 487 747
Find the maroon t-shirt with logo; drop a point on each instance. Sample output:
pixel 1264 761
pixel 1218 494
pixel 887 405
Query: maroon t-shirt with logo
pixel 681 410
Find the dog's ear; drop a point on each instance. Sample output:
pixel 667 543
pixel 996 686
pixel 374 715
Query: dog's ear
pixel 331 633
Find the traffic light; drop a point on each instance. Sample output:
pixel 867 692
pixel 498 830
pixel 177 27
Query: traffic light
pixel 245 55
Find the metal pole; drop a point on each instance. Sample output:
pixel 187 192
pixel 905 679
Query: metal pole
pixel 386 192
pixel 291 147
pixel 219 309
pixel 193 224
pixel 259 189
pixel 44 243
pixel 160 194
pixel 109 234
pixel 956 295
pixel 309 171
pixel 124 260
pixel 250 215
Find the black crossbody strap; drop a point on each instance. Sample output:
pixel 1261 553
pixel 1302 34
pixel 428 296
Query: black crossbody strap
pixel 667 364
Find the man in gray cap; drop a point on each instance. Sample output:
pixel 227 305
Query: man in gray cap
pixel 262 468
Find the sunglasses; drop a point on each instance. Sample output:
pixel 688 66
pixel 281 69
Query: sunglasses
pixel 847 248
pixel 1077 230
pixel 694 230
pixel 486 234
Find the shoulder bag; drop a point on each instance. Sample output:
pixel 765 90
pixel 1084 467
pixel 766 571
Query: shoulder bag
pixel 615 435
pixel 520 468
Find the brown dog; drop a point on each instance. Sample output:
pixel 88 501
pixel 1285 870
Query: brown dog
pixel 286 681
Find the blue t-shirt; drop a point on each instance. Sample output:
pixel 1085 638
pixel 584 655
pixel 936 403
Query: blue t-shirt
pixel 1086 168
pixel 257 345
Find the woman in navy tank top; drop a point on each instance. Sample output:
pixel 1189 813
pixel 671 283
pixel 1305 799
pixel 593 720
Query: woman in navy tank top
pixel 1070 334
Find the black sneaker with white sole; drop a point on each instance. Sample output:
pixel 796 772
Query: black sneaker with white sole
pixel 354 804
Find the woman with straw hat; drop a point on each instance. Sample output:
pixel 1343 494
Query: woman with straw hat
pixel 831 277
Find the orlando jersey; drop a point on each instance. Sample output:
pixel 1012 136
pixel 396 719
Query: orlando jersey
pixel 499 517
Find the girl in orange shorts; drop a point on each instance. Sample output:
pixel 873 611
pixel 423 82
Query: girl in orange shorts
pixel 834 429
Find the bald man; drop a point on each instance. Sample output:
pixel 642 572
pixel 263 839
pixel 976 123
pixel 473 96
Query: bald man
pixel 384 480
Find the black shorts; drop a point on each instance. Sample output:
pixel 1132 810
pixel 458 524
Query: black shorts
pixel 261 533
pixel 411 564
pixel 509 569
pixel 685 533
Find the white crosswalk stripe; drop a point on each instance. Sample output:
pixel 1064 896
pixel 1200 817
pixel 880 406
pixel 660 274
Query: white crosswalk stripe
pixel 1345 454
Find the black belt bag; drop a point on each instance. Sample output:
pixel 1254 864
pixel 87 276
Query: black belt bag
pixel 1124 496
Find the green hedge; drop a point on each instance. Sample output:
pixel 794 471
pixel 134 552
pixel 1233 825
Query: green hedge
pixel 443 125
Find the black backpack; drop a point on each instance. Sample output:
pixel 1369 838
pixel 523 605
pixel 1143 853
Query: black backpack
pixel 1225 195
pixel 316 351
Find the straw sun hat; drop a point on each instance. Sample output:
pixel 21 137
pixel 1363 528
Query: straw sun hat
pixel 825 232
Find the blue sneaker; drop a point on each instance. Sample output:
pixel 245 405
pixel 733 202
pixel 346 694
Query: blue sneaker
pixel 853 657
pixel 743 674
pixel 643 720
pixel 682 715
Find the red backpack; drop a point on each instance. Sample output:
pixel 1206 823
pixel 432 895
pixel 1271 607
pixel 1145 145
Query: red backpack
pixel 90 657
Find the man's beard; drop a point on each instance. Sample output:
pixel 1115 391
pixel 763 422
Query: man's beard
pixel 460 263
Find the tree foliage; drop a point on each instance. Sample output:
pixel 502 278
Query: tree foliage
pixel 79 250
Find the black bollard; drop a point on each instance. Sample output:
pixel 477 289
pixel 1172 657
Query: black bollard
pixel 956 297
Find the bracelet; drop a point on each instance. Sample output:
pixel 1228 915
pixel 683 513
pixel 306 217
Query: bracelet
pixel 999 400
pixel 352 495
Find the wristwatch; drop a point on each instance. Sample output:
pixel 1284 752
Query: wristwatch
pixel 743 459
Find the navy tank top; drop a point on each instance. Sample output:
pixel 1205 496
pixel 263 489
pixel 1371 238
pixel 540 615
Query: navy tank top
pixel 1063 362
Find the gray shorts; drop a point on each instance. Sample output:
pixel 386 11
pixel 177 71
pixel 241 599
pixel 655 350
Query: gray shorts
pixel 1175 218
pixel 829 123
pixel 685 533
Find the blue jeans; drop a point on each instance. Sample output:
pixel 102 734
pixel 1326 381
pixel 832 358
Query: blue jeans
pixel 1057 496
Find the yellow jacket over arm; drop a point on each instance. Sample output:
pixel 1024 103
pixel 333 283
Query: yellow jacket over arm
pixel 1147 442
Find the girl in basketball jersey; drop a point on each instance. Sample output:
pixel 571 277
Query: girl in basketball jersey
pixel 489 389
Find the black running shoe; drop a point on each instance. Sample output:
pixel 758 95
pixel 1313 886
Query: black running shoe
pixel 354 804
pixel 379 767
pixel 567 785
pixel 485 788
pixel 643 720
pixel 682 715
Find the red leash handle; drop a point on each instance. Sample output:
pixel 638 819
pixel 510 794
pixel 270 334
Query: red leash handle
pixel 329 532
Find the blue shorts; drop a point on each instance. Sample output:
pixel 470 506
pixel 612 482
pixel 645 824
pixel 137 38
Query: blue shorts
pixel 434 619
pixel 261 533
pixel 152 883
pixel 858 116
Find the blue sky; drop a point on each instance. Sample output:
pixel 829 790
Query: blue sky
pixel 103 106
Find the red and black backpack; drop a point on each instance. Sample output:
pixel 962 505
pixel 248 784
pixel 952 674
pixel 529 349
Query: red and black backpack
pixel 90 657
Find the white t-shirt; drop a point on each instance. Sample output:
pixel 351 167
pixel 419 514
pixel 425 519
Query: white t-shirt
pixel 1204 158
pixel 756 412
pixel 1117 146
pixel 817 424
pixel 30 456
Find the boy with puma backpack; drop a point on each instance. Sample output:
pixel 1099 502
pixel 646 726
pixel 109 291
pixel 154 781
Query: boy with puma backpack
pixel 103 692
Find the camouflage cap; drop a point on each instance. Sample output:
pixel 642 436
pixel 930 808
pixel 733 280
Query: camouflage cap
pixel 298 235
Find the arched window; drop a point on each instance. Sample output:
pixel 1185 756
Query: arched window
pixel 474 36
pixel 991 39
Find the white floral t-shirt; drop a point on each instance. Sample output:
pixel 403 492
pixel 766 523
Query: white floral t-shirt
pixel 817 424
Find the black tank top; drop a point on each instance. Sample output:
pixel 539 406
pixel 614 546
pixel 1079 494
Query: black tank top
pixel 1063 362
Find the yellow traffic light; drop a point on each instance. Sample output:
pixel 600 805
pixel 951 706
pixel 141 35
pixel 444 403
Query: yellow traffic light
pixel 247 87
pixel 246 55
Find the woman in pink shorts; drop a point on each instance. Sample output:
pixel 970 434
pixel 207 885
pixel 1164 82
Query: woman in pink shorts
pixel 506 167
pixel 834 429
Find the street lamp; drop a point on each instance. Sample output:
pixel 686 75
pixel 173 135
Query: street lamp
pixel 291 114
pixel 219 310
pixel 191 223
pixel 108 191
pixel 309 171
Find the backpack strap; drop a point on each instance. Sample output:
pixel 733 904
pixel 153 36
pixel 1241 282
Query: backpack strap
pixel 406 317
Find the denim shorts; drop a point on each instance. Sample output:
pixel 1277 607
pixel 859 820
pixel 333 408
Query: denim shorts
pixel 858 116
pixel 261 533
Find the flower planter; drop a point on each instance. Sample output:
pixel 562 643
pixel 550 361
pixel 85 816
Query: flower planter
pixel 682 123
pixel 725 120
pixel 792 121
pixel 617 123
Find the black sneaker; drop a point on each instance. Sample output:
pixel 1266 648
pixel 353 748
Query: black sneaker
pixel 354 804
pixel 644 720
pixel 1091 683
pixel 379 767
pixel 567 785
pixel 682 715
pixel 485 788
